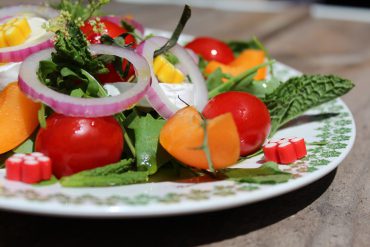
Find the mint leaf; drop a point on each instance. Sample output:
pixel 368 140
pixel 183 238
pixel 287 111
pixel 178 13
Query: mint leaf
pixel 268 173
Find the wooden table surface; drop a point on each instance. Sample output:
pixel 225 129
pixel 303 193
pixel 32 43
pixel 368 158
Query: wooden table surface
pixel 333 211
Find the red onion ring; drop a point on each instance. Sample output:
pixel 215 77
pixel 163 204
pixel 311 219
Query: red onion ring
pixel 139 28
pixel 20 52
pixel 155 95
pixel 91 107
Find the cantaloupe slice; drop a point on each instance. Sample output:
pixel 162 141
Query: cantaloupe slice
pixel 18 117
pixel 183 134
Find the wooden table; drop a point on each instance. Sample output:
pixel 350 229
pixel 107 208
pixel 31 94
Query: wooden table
pixel 334 211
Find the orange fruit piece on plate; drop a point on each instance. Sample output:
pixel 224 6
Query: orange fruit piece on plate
pixel 183 134
pixel 248 59
pixel 18 117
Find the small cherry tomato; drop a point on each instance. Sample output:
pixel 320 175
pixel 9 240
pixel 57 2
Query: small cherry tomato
pixel 211 49
pixel 75 144
pixel 110 28
pixel 113 30
pixel 250 114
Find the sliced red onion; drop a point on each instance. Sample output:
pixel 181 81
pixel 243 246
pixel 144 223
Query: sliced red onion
pixel 82 107
pixel 193 56
pixel 20 52
pixel 139 28
pixel 155 95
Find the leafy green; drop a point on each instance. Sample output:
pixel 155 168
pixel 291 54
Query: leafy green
pixel 268 173
pixel 116 168
pixel 263 87
pixel 239 82
pixel 129 28
pixel 72 65
pixel 299 94
pixel 216 78
pixel 52 180
pixel 238 46
pixel 130 177
pixel 148 149
pixel 72 51
pixel 119 173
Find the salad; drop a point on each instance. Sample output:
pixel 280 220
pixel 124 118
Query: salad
pixel 91 100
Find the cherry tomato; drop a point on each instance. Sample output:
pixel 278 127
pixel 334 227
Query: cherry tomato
pixel 110 28
pixel 113 76
pixel 113 30
pixel 211 49
pixel 75 144
pixel 250 114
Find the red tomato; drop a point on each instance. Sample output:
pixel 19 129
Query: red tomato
pixel 75 144
pixel 250 114
pixel 211 49
pixel 113 30
pixel 113 76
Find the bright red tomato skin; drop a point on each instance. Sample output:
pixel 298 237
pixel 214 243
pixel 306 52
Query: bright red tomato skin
pixel 211 49
pixel 113 30
pixel 75 144
pixel 250 114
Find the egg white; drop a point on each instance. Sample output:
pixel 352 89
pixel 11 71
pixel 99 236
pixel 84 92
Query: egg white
pixel 9 71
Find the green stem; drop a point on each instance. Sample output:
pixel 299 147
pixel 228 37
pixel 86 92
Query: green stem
pixel 263 48
pixel 120 116
pixel 205 146
pixel 234 81
pixel 41 116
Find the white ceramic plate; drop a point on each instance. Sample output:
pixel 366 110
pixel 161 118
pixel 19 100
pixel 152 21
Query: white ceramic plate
pixel 169 198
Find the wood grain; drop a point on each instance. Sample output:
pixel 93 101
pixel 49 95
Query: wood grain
pixel 333 211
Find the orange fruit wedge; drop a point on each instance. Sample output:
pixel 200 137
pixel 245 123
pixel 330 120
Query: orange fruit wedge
pixel 183 135
pixel 248 59
pixel 18 117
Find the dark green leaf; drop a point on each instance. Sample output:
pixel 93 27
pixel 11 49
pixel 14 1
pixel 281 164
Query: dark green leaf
pixel 129 28
pixel 298 94
pixel 46 71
